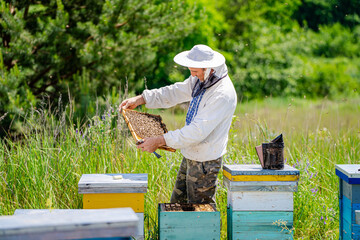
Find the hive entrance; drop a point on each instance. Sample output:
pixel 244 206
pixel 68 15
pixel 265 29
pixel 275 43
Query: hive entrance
pixel 187 207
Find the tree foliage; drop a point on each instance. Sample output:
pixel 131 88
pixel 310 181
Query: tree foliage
pixel 99 48
pixel 324 12
pixel 272 54
pixel 47 45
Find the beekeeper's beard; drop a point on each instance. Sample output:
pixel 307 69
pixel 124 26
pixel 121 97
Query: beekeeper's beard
pixel 207 73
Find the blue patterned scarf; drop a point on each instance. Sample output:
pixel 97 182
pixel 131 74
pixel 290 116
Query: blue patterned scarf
pixel 194 106
pixel 197 94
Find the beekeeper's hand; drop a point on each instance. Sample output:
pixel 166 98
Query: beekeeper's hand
pixel 132 103
pixel 152 143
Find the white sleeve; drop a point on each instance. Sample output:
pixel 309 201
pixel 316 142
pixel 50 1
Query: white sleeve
pixel 168 96
pixel 214 112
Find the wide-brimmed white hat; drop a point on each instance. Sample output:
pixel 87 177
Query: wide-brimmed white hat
pixel 200 56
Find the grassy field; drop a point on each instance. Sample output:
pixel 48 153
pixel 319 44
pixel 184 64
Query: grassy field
pixel 42 169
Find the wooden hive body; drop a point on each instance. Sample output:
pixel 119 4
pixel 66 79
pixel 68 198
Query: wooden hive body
pixel 259 224
pixel 115 191
pixel 260 202
pixel 188 225
pixel 31 224
pixel 349 200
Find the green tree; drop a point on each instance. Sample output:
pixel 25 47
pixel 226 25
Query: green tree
pixel 324 12
pixel 116 41
pixel 270 54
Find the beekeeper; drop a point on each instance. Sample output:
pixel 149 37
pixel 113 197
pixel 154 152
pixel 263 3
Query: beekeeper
pixel 203 139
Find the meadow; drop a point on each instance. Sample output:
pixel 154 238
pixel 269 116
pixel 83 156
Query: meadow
pixel 41 167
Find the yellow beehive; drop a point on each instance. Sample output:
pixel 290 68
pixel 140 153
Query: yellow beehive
pixel 113 191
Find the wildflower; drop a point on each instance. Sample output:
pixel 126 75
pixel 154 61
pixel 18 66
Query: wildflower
pixel 307 165
pixel 314 190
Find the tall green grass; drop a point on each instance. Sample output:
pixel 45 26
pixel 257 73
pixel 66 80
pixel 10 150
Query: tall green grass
pixel 42 168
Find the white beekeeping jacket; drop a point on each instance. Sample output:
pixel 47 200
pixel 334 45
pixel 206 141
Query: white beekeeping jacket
pixel 206 137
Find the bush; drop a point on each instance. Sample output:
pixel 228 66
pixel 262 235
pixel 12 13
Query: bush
pixel 333 78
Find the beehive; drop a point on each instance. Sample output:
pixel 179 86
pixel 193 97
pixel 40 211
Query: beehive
pixel 121 223
pixel 115 191
pixel 188 221
pixel 349 200
pixel 260 202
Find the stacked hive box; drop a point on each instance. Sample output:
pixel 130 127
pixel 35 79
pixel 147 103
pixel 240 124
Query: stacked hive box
pixel 115 191
pixel 188 222
pixel 260 202
pixel 349 200
pixel 69 224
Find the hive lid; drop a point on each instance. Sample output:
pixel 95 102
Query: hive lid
pixel 256 169
pixel 113 183
pixel 350 173
pixel 70 223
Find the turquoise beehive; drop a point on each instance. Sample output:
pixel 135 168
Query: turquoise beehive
pixel 181 222
pixel 260 201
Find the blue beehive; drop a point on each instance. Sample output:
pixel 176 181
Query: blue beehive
pixel 349 200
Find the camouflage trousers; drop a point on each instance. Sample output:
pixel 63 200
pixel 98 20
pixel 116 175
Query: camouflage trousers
pixel 196 181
